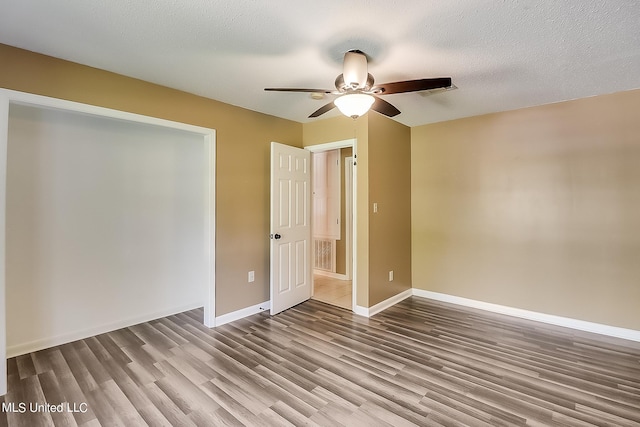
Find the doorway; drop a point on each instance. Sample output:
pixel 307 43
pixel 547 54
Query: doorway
pixel 332 223
pixel 94 229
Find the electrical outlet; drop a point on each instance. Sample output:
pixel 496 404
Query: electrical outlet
pixel 252 276
pixel 391 276
pixel 375 207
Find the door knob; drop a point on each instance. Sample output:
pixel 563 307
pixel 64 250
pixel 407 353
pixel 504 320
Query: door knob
pixel 277 236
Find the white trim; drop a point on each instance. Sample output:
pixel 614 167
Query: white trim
pixel 360 310
pixel 331 274
pixel 242 313
pixel 581 325
pixel 210 221
pixel 45 101
pixel 11 96
pixel 348 226
pixel 354 227
pixel 4 140
pixel 41 344
pixel 345 143
pixel 567 322
pixel 383 305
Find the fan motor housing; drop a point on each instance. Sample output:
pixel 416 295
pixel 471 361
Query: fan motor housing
pixel 341 86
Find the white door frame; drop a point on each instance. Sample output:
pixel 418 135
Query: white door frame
pixel 345 143
pixel 348 186
pixel 8 97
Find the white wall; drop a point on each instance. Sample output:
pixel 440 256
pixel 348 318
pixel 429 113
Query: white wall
pixel 106 225
pixel 326 194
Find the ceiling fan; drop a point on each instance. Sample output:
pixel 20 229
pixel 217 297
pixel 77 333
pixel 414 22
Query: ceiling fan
pixel 358 93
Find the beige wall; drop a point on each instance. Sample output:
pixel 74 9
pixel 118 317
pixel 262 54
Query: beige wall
pixel 338 129
pixel 243 138
pixel 390 227
pixel 537 209
pixel 383 173
pixel 334 129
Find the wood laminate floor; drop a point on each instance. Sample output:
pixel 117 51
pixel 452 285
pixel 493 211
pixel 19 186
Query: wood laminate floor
pixel 417 363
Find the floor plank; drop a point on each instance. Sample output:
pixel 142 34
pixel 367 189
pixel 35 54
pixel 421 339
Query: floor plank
pixel 420 362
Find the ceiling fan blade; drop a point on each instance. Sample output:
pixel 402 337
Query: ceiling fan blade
pixel 383 107
pixel 320 111
pixel 411 86
pixel 292 89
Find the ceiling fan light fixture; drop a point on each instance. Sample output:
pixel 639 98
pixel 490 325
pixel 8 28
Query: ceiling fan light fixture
pixel 357 92
pixel 354 105
pixel 355 69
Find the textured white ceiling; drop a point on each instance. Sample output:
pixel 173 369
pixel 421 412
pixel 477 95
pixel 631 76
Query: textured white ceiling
pixel 502 54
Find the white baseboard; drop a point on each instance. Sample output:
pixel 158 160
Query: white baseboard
pixel 41 344
pixel 331 274
pixel 567 322
pixel 383 305
pixel 361 311
pixel 242 313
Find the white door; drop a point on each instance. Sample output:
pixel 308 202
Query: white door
pixel 290 226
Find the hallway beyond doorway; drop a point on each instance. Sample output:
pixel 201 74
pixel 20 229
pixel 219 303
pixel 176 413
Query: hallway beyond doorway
pixel 332 291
